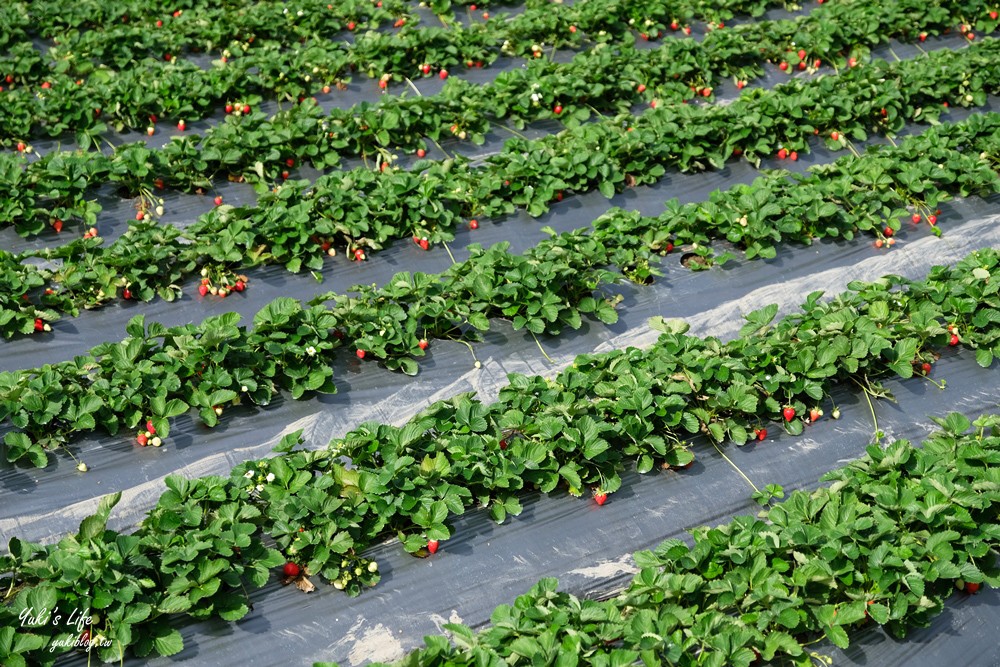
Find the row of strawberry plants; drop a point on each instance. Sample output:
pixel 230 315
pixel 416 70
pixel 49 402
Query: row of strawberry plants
pixel 79 100
pixel 117 34
pixel 296 225
pixel 204 542
pixel 601 81
pixel 910 180
pixel 887 541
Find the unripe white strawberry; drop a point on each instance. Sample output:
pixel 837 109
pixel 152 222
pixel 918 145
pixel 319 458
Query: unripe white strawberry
pixel 218 412
pixel 159 210
pixel 373 566
pixel 156 441
pixel 82 467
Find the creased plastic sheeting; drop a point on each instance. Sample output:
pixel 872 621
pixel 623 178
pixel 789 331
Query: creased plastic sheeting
pixel 51 501
pixel 587 548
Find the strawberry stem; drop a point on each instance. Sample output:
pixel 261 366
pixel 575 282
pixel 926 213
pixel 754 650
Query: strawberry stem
pixel 735 467
pixel 871 407
pixel 547 357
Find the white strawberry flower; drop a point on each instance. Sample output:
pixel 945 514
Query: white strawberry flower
pixel 311 351
pixel 270 477
pixel 260 487
pixel 248 474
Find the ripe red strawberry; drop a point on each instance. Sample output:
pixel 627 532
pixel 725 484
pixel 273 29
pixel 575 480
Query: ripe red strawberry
pixel 159 24
pixel 740 85
pixel 557 109
pixel 21 147
pixel 425 68
pixel 835 136
pixel 382 84
pixel 142 439
pixel 422 344
pixel 923 37
pixel 246 109
pixel 782 154
pixel 815 414
pixel 139 215
pixel 486 16
pixel 290 162
pixel 783 66
pixel 932 219
pixel 229 108
pixel 572 28
pixel 203 290
pixel 57 225
pixel 793 156
pixel 10 78
pixel 600 497
pixel 971 587
pixel 291 569
pixel 432 546
pixel 674 25
pixel 359 254
pixel 473 224
pixel 218 200
pixel 652 104
pixel 817 63
pixel 888 231
pixel 788 413
pixel 351 25
pixel 801 54
pixel 706 92
pixel 150 427
pixel 915 218
pixel 284 174
pixel 361 354
pixel 503 444
pixel 802 65
pixel 424 244
pixel 761 433
pixel 852 62
pixel 993 15
pixel 127 294
pixel 46 85
pixel 181 125
pixel 239 286
pixel 443 74
pixel 421 152
pixel 39 324
pixel 953 341
pixel 559 196
pixel 926 368
pixel 687 30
